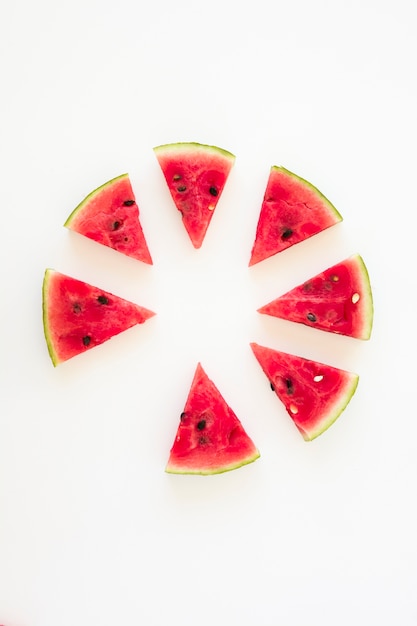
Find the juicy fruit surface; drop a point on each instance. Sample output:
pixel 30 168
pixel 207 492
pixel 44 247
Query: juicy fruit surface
pixel 292 210
pixel 110 215
pixel 338 300
pixel 196 175
pixel 210 438
pixel 78 316
pixel 314 394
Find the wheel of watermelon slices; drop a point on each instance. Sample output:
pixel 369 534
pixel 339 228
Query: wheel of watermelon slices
pixel 210 438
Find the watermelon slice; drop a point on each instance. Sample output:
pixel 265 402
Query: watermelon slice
pixel 196 175
pixel 314 394
pixel 338 300
pixel 78 316
pixel 210 438
pixel 110 216
pixel 292 210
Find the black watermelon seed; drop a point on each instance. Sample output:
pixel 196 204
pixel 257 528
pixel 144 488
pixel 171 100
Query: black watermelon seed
pixel 287 233
pixel 272 386
pixel 177 177
pixel 128 202
pixel 86 340
pixel 201 425
pixel 76 308
pixel 103 299
pixel 183 415
pixel 289 385
pixel 311 317
pixel 116 225
pixel 182 188
pixel 214 191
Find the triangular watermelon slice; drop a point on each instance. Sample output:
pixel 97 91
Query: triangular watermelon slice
pixel 196 175
pixel 292 211
pixel 314 394
pixel 78 316
pixel 210 438
pixel 338 300
pixel 110 216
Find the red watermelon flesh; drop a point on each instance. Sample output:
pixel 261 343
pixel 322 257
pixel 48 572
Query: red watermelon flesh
pixel 78 316
pixel 314 394
pixel 338 300
pixel 210 438
pixel 292 210
pixel 110 216
pixel 196 175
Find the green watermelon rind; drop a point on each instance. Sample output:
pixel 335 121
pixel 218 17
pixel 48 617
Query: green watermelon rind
pixel 193 145
pixel 367 298
pixel 90 196
pixel 312 188
pixel 336 410
pixel 45 288
pixel 170 469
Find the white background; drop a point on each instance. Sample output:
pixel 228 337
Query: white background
pixel 92 530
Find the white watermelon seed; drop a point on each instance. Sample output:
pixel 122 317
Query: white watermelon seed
pixel 355 298
pixel 318 378
pixel 293 409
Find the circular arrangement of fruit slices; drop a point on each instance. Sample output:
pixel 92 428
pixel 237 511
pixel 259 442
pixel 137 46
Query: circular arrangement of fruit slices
pixel 210 438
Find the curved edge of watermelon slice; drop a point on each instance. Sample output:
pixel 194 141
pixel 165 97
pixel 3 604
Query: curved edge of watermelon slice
pixel 78 316
pixel 337 215
pixel 210 438
pixel 94 193
pixel 196 175
pixel 300 384
pixel 173 468
pixel 367 300
pixel 46 327
pixel 180 146
pixel 109 215
pixel 336 410
pixel 292 210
